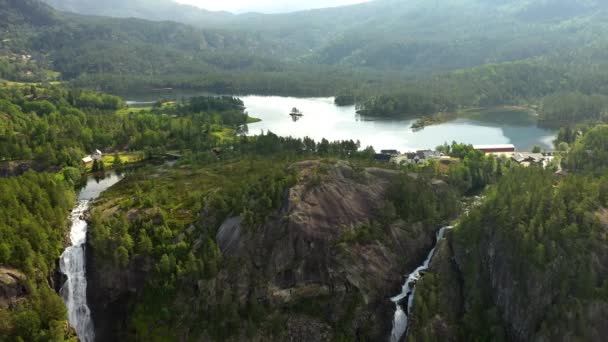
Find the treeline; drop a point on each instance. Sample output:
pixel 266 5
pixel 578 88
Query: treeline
pixel 516 83
pixel 565 95
pixel 305 80
pixel 403 105
pixel 589 153
pixel 33 227
pixel 564 109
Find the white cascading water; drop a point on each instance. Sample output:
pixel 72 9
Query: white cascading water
pixel 72 262
pixel 401 318
pixel 73 265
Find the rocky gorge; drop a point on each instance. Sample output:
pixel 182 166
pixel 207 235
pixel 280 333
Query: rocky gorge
pixel 320 264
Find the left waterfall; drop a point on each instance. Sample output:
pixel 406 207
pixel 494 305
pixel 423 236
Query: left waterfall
pixel 73 260
pixel 73 265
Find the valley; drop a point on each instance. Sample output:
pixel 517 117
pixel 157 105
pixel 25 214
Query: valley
pixel 386 171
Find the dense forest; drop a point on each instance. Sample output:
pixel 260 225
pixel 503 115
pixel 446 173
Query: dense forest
pixel 56 127
pixel 548 271
pixel 32 226
pixel 400 35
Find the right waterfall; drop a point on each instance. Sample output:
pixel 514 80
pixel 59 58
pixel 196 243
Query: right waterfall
pixel 401 317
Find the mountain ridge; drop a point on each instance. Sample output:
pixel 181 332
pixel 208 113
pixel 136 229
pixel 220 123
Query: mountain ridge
pixel 412 36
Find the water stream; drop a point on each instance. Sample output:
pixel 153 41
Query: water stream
pixel 73 260
pixel 408 291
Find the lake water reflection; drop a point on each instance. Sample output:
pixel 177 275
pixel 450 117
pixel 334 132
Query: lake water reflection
pixel 322 119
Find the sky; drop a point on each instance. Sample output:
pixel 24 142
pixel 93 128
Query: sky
pixel 266 6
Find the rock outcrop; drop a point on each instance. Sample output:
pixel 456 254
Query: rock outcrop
pixel 298 255
pixel 12 287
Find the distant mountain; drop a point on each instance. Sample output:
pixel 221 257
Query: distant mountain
pixel 116 53
pixel 376 45
pixel 415 36
pixel 158 10
pixel 25 12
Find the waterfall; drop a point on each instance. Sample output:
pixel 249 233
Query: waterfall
pixel 401 317
pixel 73 264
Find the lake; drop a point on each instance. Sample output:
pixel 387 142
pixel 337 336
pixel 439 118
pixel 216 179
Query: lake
pixel 323 119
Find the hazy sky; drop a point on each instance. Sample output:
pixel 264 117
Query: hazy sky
pixel 266 6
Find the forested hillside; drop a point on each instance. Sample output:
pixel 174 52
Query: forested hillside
pixel 135 55
pixel 530 262
pixel 32 228
pixel 415 36
pixel 55 127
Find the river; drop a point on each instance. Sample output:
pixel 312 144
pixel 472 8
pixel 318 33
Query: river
pixel 323 119
pixel 72 262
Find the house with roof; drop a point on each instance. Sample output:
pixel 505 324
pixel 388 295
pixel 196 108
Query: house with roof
pixel 428 154
pixel 391 152
pixel 96 155
pixel 526 159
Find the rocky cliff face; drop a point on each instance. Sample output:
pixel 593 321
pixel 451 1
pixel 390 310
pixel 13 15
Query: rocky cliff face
pixel 110 291
pixel 492 287
pixel 300 255
pixel 316 264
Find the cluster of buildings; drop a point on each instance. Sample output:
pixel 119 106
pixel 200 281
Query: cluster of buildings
pixel 504 150
pixel 418 157
pixel 522 158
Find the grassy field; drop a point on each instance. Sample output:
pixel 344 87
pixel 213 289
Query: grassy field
pixel 125 158
pixel 225 134
pixel 126 111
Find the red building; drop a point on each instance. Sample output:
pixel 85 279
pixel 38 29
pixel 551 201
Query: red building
pixel 495 148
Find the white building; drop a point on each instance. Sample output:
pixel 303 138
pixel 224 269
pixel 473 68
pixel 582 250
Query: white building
pixel 97 155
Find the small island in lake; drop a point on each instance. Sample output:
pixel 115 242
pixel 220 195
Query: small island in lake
pixel 296 114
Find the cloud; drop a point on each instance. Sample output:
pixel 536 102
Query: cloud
pixel 266 6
